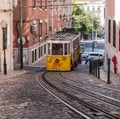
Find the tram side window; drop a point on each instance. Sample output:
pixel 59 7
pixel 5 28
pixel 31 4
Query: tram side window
pixel 57 49
pixel 49 48
pixel 76 43
pixel 67 49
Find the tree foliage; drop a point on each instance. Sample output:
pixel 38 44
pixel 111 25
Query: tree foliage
pixel 84 21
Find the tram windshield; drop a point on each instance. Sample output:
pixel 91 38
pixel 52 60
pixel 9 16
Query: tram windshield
pixel 60 48
pixel 57 49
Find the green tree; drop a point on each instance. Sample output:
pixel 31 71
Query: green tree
pixel 84 21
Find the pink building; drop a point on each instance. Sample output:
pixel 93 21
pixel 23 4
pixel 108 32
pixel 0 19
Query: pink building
pixel 40 19
pixel 35 29
pixel 112 39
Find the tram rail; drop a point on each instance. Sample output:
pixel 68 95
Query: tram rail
pixel 84 116
pixel 49 78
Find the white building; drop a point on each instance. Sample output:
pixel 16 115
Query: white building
pixel 112 39
pixel 6 35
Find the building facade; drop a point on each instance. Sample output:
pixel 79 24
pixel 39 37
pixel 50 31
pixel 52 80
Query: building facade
pixel 35 29
pixel 60 15
pixel 40 19
pixel 6 35
pixel 112 40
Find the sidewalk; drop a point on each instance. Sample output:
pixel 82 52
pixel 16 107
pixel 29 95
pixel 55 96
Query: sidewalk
pixel 114 78
pixel 12 74
pixel 40 65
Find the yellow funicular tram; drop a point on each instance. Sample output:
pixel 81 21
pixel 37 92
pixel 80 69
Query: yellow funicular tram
pixel 63 51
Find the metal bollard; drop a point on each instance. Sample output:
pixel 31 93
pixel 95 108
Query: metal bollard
pixel 108 73
pixel 90 66
pixel 98 70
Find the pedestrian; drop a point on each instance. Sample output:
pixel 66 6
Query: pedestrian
pixel 86 60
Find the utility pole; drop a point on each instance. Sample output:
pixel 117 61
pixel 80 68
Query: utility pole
pixel 92 29
pixel 92 20
pixel 21 45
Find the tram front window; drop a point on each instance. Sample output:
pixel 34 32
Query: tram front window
pixel 57 49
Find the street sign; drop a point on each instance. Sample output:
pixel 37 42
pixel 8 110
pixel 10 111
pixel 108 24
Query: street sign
pixel 23 40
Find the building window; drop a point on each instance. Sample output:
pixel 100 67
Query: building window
pixel 88 8
pixel 41 51
pixel 114 33
pixel 98 8
pixel 109 31
pixel 45 4
pixel 45 27
pixel 33 56
pixel 40 29
pixel 34 4
pixel 40 3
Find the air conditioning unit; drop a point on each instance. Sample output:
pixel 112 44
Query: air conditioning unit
pixel 34 26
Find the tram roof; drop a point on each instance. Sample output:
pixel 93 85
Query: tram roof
pixel 63 36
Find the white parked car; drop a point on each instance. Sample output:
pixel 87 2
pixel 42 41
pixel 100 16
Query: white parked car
pixel 97 56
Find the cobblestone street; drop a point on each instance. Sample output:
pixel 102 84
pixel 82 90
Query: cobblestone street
pixel 59 59
pixel 21 97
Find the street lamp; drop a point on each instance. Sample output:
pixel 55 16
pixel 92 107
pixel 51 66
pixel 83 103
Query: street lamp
pixel 4 28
